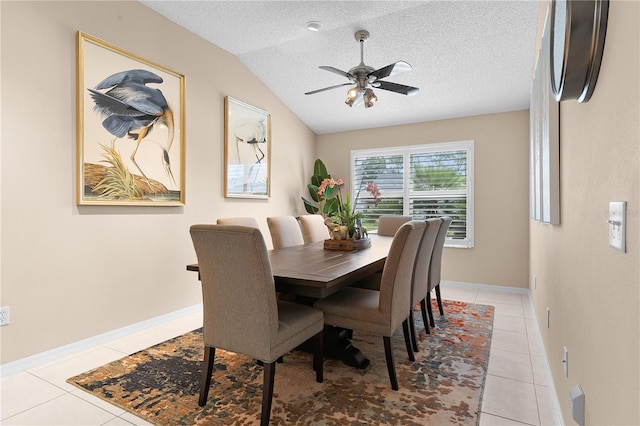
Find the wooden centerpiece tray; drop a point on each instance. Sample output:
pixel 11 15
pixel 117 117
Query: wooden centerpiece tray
pixel 350 244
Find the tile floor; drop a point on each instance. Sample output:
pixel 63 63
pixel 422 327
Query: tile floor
pixel 517 388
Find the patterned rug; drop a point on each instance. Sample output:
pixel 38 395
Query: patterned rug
pixel 443 386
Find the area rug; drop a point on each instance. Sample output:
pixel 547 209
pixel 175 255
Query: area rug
pixel 442 387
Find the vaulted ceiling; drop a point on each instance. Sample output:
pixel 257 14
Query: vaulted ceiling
pixel 468 57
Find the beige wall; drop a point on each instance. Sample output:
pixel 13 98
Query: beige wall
pixel 72 272
pixel 501 252
pixel 592 289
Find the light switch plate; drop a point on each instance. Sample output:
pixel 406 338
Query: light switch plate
pixel 618 225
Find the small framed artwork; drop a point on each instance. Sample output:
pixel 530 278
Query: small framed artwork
pixel 247 152
pixel 130 128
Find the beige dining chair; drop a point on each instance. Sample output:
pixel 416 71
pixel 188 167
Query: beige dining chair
pixel 241 221
pixel 381 312
pixel 420 283
pixel 313 228
pixel 241 313
pixel 388 224
pixel 436 267
pixel 285 231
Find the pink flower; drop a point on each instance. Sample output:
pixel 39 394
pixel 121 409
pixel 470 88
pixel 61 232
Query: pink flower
pixel 329 182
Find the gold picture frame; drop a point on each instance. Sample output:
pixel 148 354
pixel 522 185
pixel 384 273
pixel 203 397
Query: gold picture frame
pixel 130 128
pixel 247 150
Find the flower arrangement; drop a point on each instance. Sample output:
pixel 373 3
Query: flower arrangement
pixel 326 192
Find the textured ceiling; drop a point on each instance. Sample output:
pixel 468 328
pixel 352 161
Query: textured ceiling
pixel 468 57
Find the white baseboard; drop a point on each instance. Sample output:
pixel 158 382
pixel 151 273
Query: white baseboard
pixel 72 348
pixel 489 287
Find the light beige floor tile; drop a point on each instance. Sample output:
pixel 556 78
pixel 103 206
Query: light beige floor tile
pixel 506 323
pixel 457 293
pixel 508 310
pixel 510 399
pixel 510 341
pixel 66 410
pixel 92 399
pixel 546 408
pixel 535 346
pixel 58 372
pixel 532 326
pixel 528 310
pixel 142 340
pixel 487 297
pixel 185 324
pixel 540 373
pixel 118 421
pixel 22 391
pixel 487 419
pixel 510 365
pixel 135 420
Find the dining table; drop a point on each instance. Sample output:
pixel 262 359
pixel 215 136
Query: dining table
pixel 309 272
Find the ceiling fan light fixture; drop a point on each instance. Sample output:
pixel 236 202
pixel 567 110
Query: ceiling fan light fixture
pixel 370 98
pixel 350 101
pixel 353 92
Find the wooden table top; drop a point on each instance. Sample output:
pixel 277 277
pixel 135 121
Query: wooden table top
pixel 310 270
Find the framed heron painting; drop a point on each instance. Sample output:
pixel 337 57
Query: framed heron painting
pixel 130 128
pixel 247 150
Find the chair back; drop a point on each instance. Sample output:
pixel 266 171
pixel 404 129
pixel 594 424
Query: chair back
pixel 285 231
pixel 420 287
pixel 313 228
pixel 438 248
pixel 240 221
pixel 395 284
pixel 238 291
pixel 388 224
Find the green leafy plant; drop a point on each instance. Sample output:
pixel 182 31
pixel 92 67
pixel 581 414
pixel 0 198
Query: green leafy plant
pixel 322 191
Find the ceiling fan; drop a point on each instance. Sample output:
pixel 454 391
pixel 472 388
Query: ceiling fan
pixel 364 77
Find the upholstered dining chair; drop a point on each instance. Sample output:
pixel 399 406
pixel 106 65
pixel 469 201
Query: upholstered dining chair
pixel 241 221
pixel 241 313
pixel 420 283
pixel 285 231
pixel 436 267
pixel 313 228
pixel 388 224
pixel 381 312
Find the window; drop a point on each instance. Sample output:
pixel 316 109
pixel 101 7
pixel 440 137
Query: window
pixel 421 181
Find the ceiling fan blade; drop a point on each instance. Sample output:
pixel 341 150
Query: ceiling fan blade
pixel 389 70
pixel 328 88
pixel 395 87
pixel 337 71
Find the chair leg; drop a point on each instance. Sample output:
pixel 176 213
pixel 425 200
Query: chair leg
pixel 412 329
pixel 407 339
pixel 430 310
pixel 388 351
pixel 425 320
pixel 207 371
pixel 439 298
pixel 318 350
pixel 267 392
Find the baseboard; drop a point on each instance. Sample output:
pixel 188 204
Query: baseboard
pixel 72 348
pixel 488 287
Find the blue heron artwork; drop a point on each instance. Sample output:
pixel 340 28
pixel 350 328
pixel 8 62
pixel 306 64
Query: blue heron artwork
pixel 131 109
pixel 130 128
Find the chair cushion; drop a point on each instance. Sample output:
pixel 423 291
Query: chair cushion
pixel 355 308
pixel 296 324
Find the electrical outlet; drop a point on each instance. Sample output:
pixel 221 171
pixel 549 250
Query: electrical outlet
pixel 548 317
pixel 4 315
pixel 565 362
